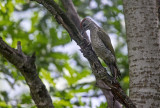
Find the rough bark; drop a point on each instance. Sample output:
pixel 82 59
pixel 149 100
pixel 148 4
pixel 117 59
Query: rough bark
pixel 73 15
pixel 27 67
pixel 143 49
pixel 98 70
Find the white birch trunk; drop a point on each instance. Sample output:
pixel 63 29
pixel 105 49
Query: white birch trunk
pixel 143 50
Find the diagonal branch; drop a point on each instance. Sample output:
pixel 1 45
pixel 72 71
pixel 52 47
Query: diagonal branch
pixel 98 70
pixel 73 15
pixel 27 67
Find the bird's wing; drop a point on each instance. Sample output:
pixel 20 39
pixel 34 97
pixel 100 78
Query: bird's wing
pixel 106 40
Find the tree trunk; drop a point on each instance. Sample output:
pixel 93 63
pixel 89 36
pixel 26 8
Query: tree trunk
pixel 143 50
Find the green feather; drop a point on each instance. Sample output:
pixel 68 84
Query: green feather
pixel 106 40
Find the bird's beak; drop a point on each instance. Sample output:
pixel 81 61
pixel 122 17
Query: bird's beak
pixel 82 31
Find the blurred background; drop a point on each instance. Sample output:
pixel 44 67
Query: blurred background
pixel 60 64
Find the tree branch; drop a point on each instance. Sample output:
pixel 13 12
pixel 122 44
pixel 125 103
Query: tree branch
pixel 98 70
pixel 27 67
pixel 72 13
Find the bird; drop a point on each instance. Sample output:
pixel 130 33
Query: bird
pixel 101 44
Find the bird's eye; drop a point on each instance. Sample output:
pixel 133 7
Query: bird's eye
pixel 84 24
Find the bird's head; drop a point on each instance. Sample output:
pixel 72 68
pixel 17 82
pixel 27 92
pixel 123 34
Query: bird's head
pixel 85 24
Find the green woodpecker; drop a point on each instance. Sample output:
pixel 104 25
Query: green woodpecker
pixel 101 44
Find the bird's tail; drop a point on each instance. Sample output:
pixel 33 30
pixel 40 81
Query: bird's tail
pixel 114 70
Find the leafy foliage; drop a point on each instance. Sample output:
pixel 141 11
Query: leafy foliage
pixel 66 74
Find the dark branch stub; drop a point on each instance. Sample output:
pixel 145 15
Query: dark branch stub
pixel 19 48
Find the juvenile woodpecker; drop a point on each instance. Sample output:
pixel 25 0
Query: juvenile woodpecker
pixel 101 44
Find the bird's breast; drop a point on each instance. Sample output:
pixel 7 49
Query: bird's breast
pixel 100 49
pixel 96 41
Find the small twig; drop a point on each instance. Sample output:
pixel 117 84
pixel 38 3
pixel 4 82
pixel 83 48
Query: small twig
pixel 19 48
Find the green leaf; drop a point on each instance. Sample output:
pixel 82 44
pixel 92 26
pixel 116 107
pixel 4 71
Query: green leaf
pixel 47 76
pixel 4 105
pixel 2 8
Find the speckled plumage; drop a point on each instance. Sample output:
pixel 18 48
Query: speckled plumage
pixel 101 44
